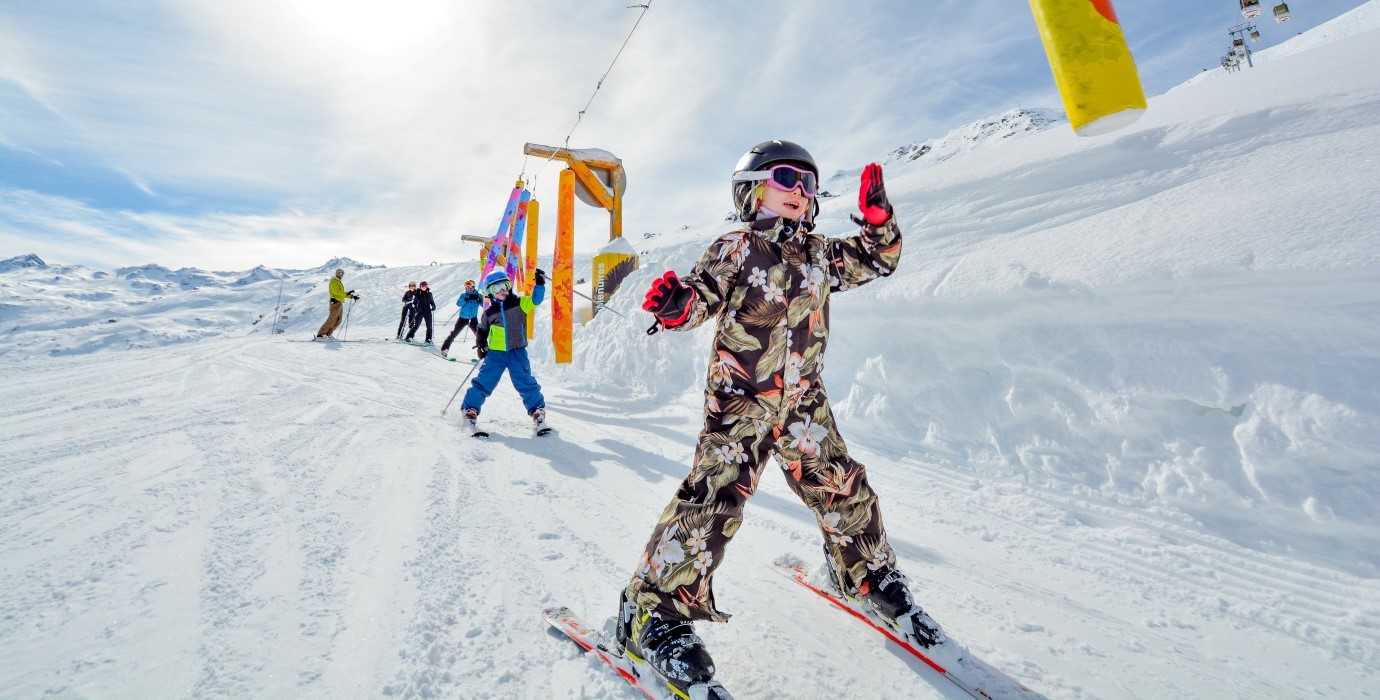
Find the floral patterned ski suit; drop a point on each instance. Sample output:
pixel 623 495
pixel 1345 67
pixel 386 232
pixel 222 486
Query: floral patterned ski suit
pixel 768 285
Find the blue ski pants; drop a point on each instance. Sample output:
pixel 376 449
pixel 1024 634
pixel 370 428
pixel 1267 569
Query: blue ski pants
pixel 519 370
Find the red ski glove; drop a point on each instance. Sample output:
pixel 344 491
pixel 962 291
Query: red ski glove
pixel 872 196
pixel 669 300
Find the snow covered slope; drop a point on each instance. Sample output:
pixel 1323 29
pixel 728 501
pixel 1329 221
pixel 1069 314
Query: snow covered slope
pixel 70 310
pixel 1121 404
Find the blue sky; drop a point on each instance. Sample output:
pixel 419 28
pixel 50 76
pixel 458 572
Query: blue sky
pixel 285 132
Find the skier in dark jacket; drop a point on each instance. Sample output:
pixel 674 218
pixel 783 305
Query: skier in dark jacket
pixel 766 287
pixel 469 302
pixel 503 347
pixel 407 307
pixel 422 306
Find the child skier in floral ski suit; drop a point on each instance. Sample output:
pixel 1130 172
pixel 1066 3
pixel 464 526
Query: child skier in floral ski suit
pixel 766 286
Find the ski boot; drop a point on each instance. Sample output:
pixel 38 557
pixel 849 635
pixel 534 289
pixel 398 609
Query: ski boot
pixel 539 421
pixel 471 423
pixel 671 648
pixel 886 592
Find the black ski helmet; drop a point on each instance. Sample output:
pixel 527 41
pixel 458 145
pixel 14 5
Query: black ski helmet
pixel 760 157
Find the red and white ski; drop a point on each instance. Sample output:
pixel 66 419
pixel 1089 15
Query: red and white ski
pixel 949 659
pixel 639 676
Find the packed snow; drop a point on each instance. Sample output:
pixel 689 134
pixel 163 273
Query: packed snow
pixel 1121 404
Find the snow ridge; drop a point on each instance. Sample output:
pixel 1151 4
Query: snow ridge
pixel 979 135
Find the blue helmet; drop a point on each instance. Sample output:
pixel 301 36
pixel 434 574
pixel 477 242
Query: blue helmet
pixel 495 276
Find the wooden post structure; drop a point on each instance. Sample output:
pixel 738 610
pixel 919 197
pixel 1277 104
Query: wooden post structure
pixel 563 272
pixel 599 175
pixel 533 211
pixel 485 243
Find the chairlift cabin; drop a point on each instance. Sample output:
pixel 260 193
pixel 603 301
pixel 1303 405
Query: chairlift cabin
pixel 1255 36
pixel 1238 44
pixel 1282 13
pixel 1250 9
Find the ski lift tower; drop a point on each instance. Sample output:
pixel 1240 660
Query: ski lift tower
pixel 1238 41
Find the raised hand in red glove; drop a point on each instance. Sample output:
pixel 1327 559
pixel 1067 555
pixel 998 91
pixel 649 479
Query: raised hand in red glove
pixel 872 196
pixel 669 300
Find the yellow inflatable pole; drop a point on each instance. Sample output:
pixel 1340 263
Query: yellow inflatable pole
pixel 612 264
pixel 533 210
pixel 1092 65
pixel 563 271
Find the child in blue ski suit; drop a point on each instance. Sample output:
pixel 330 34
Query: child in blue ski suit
pixel 469 302
pixel 503 347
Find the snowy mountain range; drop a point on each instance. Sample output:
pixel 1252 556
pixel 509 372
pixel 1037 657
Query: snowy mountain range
pixel 1120 404
pixel 71 309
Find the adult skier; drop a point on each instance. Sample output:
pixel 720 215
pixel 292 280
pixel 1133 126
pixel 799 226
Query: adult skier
pixel 766 286
pixel 407 307
pixel 469 302
pixel 422 306
pixel 338 295
pixel 503 348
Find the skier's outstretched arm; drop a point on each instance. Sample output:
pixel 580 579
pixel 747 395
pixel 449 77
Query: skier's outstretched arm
pixel 873 252
pixel 683 303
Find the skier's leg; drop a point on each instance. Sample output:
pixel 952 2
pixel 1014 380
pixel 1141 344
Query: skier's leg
pixel 677 571
pixel 332 320
pixel 428 326
pixel 412 325
pixel 495 364
pixel 459 323
pixel 819 470
pixel 520 374
pixel 402 320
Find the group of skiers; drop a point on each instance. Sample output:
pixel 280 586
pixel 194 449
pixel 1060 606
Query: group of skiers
pixel 500 334
pixel 766 285
pixel 417 307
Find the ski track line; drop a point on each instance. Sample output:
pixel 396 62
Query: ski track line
pixel 489 554
pixel 1168 546
pixel 1226 590
pixel 301 531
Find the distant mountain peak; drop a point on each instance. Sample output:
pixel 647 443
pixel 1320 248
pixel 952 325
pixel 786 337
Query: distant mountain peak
pixel 979 135
pixel 22 261
pixel 345 263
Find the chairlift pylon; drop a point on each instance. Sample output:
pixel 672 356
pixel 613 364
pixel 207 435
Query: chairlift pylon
pixel 1282 13
pixel 1250 9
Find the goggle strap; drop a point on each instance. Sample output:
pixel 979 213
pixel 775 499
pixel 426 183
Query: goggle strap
pixel 751 175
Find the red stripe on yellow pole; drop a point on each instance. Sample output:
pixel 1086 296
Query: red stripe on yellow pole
pixel 533 212
pixel 563 271
pixel 1091 63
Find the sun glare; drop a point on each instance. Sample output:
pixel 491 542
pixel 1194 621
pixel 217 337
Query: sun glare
pixel 372 27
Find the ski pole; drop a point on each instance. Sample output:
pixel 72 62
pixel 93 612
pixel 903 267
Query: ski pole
pixel 345 332
pixel 476 366
pixel 604 307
